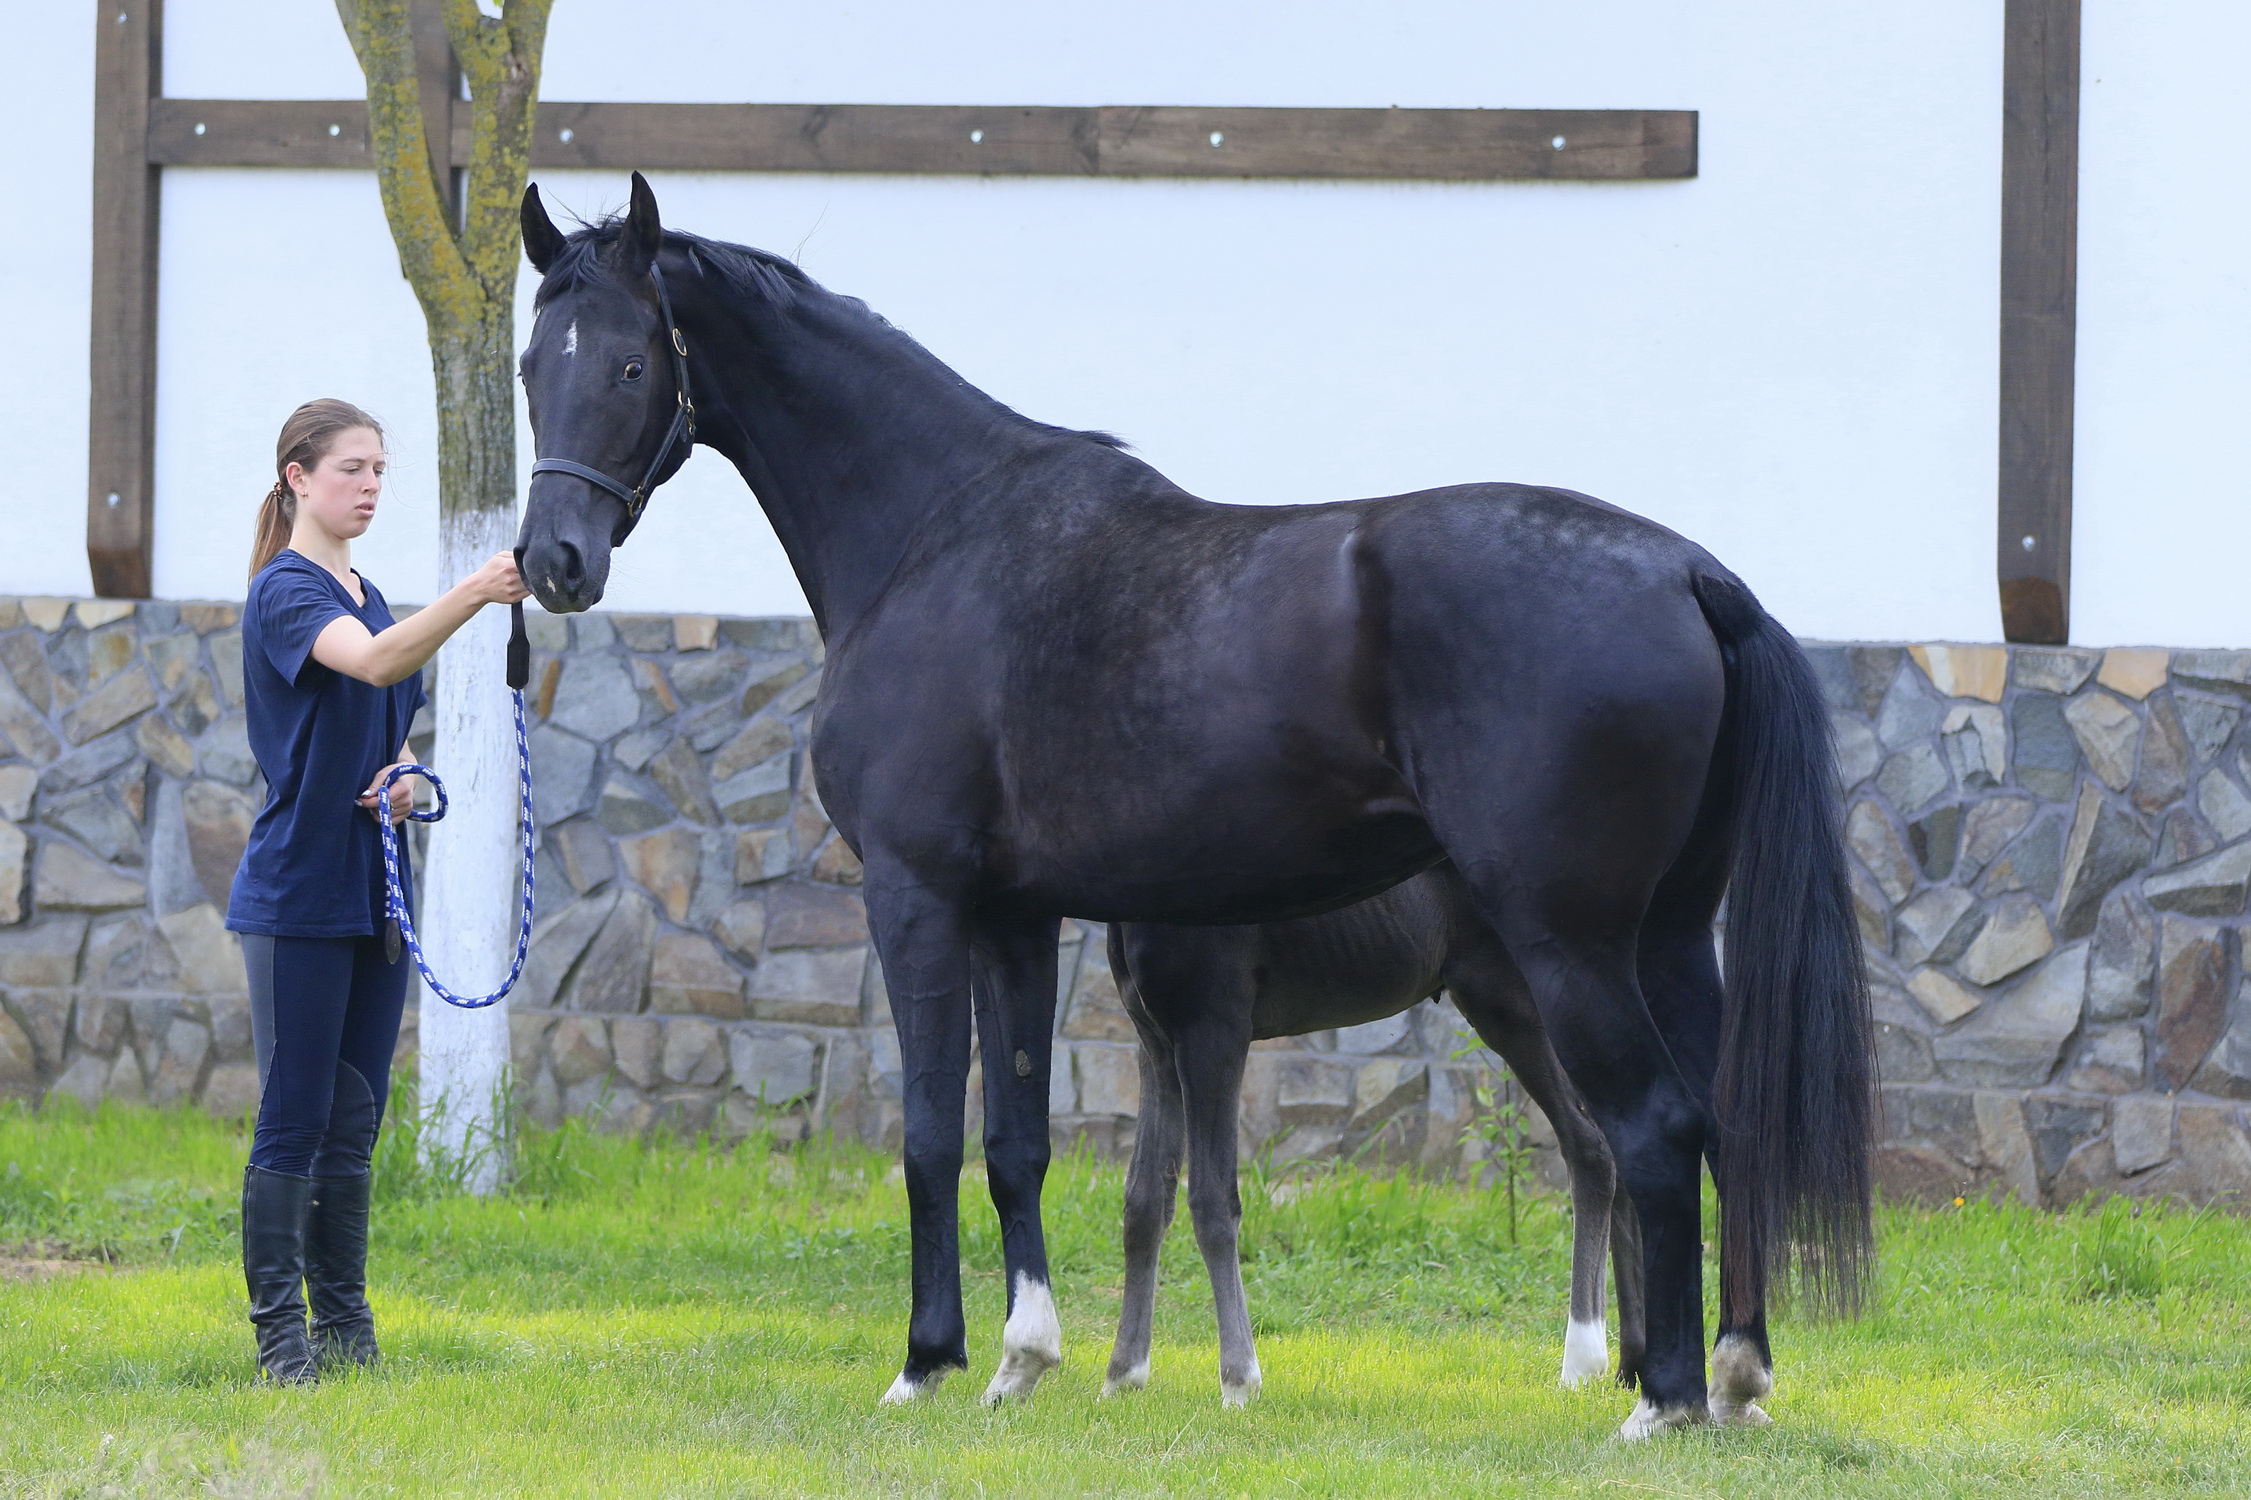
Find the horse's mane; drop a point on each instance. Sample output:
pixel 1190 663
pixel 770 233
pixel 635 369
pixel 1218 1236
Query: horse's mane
pixel 779 282
pixel 581 264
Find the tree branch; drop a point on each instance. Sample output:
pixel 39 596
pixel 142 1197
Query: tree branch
pixel 504 103
pixel 382 37
pixel 478 40
pixel 526 21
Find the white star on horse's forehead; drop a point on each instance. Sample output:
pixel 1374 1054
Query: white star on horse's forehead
pixel 570 338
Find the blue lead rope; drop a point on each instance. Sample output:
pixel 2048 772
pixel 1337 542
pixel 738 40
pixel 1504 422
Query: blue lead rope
pixel 401 920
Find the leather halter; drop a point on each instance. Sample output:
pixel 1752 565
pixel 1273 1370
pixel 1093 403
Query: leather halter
pixel 683 427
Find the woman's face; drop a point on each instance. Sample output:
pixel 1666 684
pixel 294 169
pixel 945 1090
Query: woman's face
pixel 339 494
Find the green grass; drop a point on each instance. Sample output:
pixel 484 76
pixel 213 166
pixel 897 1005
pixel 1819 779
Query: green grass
pixel 667 1319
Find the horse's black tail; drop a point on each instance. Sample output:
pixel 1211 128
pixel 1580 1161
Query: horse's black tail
pixel 1794 1094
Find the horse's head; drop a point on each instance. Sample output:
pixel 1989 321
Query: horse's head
pixel 605 377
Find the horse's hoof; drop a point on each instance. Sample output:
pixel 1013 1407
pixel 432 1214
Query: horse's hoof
pixel 1125 1380
pixel 1739 1372
pixel 1739 1414
pixel 1015 1380
pixel 906 1388
pixel 1740 1376
pixel 1239 1393
pixel 1031 1344
pixel 1586 1353
pixel 1649 1420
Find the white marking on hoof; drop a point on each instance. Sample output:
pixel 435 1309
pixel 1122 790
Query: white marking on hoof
pixel 1240 1393
pixel 1647 1421
pixel 1739 1378
pixel 1586 1352
pixel 1031 1343
pixel 906 1388
pixel 1132 1380
pixel 1744 1414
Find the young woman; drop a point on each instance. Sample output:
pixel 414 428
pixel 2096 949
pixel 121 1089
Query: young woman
pixel 330 684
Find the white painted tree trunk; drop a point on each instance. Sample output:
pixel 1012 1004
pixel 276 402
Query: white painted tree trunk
pixel 471 888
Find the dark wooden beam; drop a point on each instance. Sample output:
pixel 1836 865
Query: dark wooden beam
pixel 259 133
pixel 121 413
pixel 1426 144
pixel 137 133
pixel 2039 317
pixel 972 140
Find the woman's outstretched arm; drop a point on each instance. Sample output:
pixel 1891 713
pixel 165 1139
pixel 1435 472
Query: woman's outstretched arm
pixel 384 657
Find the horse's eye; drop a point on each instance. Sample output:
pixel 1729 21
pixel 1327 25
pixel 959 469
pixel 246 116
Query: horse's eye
pixel 633 369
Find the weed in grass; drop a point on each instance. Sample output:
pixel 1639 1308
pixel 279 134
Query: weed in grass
pixel 1498 1119
pixel 2130 1253
pixel 411 1162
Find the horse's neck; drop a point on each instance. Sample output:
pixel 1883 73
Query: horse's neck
pixel 864 450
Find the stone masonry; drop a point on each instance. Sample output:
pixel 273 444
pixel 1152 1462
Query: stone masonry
pixel 2052 850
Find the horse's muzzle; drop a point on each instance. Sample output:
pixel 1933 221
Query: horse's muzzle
pixel 564 574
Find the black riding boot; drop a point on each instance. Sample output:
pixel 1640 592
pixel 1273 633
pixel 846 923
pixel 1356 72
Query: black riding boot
pixel 274 1208
pixel 336 1272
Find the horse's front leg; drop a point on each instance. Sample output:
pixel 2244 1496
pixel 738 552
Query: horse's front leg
pixel 1015 969
pixel 922 939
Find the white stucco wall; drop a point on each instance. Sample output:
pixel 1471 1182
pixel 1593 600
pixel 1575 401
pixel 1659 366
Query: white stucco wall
pixel 1790 358
pixel 2161 524
pixel 46 181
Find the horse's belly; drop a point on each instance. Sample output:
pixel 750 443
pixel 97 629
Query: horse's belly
pixel 1225 870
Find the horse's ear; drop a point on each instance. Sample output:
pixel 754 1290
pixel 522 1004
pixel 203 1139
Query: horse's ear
pixel 542 240
pixel 643 235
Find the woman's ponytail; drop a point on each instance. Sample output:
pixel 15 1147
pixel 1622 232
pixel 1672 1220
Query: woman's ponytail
pixel 277 518
pixel 306 437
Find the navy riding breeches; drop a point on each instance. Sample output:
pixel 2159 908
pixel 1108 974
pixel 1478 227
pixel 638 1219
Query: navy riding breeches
pixel 324 1014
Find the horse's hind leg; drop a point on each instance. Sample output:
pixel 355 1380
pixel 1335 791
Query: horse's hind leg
pixel 1625 1269
pixel 1572 935
pixel 1015 999
pixel 1152 1189
pixel 1198 987
pixel 1680 975
pixel 1211 1073
pixel 1493 997
pixel 1604 1036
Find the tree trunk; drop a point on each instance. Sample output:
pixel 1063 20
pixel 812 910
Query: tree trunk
pixel 470 891
pixel 463 271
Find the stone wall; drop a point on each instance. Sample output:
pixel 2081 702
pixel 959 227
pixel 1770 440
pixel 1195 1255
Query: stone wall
pixel 2053 848
pixel 701 959
pixel 2052 851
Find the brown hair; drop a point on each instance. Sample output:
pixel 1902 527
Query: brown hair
pixel 306 437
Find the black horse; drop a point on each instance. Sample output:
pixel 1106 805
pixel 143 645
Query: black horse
pixel 1199 996
pixel 1057 684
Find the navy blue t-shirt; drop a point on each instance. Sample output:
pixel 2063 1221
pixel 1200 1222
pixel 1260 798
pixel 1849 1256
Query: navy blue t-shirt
pixel 314 866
